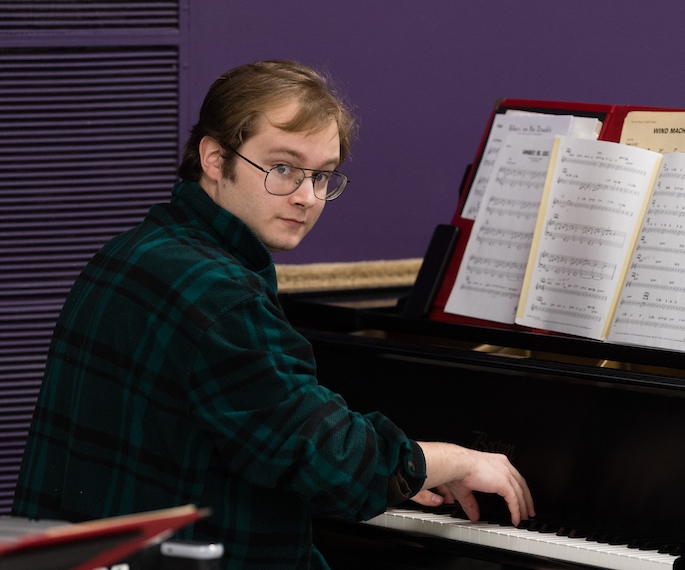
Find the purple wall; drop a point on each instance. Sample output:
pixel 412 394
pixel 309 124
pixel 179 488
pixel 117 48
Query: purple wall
pixel 424 76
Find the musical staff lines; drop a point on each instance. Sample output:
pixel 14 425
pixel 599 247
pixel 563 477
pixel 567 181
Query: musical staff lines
pixel 573 292
pixel 566 203
pixel 584 186
pixel 652 305
pixel 674 232
pixel 677 195
pixel 651 309
pixel 660 249
pixel 672 175
pixel 598 194
pixel 490 277
pixel 651 285
pixel 565 313
pixel 520 177
pixel 667 212
pixel 601 164
pixel 584 234
pixel 658 267
pixel 635 323
pixel 577 266
pixel 489 291
pixel 506 128
pixel 511 270
pixel 491 236
pixel 489 156
pixel 517 208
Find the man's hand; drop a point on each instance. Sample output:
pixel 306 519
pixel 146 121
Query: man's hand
pixel 455 472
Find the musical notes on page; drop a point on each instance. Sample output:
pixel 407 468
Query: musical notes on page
pixel 651 309
pixel 583 267
pixel 489 281
pixel 504 126
pixel 591 211
pixel 583 233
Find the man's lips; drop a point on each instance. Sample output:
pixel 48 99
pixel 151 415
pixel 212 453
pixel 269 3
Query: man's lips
pixel 293 221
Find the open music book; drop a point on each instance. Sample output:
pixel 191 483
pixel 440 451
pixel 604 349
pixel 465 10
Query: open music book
pixel 523 125
pixel 581 237
pixel 48 545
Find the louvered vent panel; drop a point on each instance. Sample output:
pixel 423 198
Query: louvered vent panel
pixel 42 15
pixel 88 141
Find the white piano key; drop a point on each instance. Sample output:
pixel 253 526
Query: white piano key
pixel 656 561
pixel 604 556
pixel 454 528
pixel 574 550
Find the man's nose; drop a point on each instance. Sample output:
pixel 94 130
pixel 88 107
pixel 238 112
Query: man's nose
pixel 305 192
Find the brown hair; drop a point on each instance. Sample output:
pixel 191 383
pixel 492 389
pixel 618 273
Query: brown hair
pixel 236 101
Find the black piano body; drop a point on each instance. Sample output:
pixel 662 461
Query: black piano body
pixel 597 429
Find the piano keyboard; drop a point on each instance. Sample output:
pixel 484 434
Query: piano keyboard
pixel 521 540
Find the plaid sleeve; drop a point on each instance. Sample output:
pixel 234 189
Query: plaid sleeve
pixel 253 386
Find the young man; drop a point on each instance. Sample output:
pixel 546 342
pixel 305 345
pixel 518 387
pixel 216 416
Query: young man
pixel 175 378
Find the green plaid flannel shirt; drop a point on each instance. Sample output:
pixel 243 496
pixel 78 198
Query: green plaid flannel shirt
pixel 173 377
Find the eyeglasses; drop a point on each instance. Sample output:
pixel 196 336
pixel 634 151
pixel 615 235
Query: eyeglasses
pixel 283 179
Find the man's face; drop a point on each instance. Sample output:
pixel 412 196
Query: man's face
pixel 279 221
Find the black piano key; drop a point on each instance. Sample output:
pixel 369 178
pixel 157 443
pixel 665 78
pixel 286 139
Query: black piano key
pixel 586 531
pixel 577 533
pixel 658 544
pixel 619 540
pixel 645 541
pixel 457 513
pixel 651 545
pixel 446 509
pixel 555 526
pixel 535 525
pixel 550 528
pixel 614 537
pixel 499 521
pixel 599 536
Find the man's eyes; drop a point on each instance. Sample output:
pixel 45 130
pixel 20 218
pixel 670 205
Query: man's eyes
pixel 285 170
pixel 321 176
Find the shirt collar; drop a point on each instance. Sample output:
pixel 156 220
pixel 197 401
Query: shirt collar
pixel 232 233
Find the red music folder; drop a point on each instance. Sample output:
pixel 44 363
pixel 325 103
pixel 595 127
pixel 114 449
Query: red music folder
pixel 88 545
pixel 612 119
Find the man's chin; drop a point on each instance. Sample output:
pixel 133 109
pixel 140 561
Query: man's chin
pixel 280 247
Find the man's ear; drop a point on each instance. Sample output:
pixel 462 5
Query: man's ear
pixel 211 158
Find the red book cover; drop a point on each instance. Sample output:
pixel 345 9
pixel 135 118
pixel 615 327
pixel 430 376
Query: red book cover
pixel 92 544
pixel 612 118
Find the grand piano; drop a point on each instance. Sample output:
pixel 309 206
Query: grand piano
pixel 597 429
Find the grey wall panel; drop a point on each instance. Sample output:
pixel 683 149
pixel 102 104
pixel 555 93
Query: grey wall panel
pixel 88 141
pixel 81 14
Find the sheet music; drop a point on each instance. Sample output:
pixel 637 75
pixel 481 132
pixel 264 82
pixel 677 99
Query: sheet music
pixel 590 215
pixel 581 127
pixel 660 131
pixel 488 285
pixel 651 310
pixel 502 126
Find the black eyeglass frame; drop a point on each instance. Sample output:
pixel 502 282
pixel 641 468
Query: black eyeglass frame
pixel 332 196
